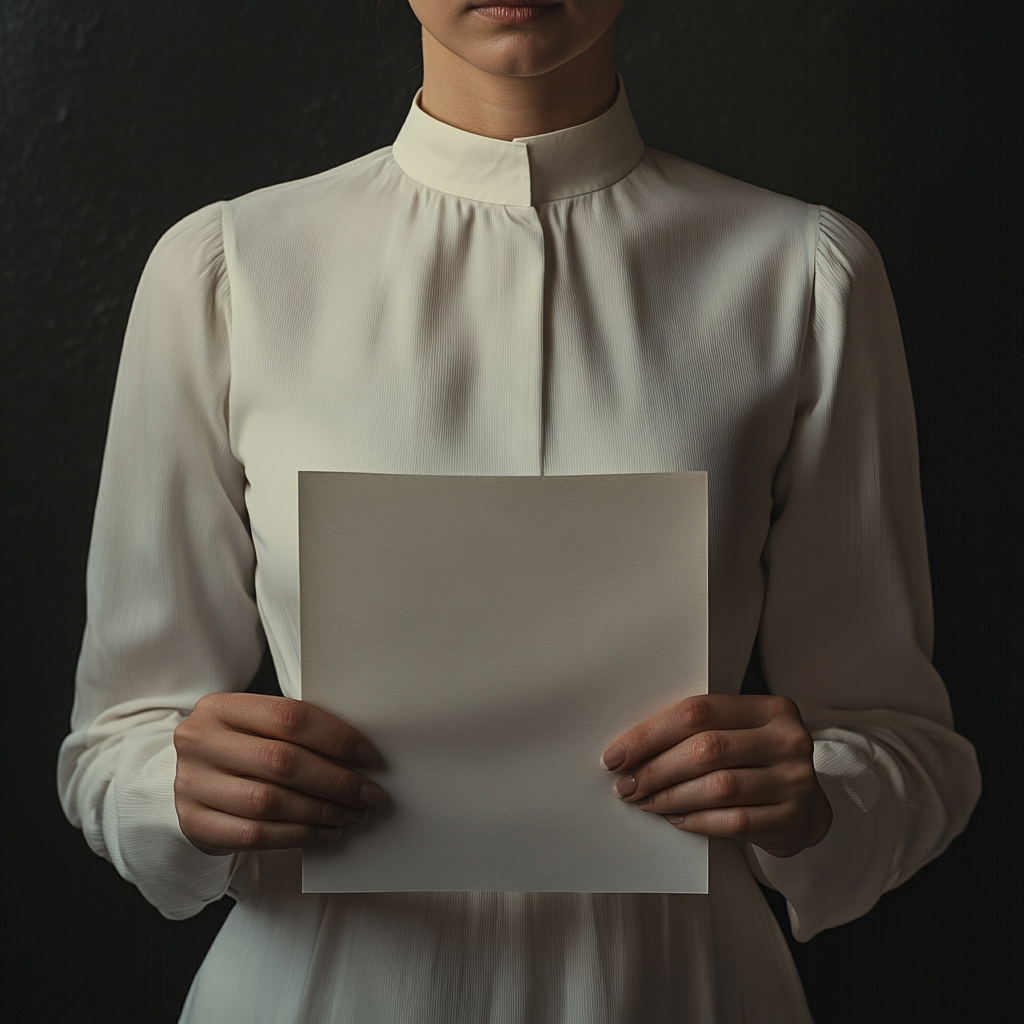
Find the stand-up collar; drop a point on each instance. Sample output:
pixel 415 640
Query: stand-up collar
pixel 523 172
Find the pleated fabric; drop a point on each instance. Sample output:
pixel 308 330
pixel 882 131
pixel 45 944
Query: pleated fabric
pixel 564 304
pixel 501 958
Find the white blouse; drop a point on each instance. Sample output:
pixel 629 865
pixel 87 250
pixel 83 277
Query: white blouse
pixel 567 303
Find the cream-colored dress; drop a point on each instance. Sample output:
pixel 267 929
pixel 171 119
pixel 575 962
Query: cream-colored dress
pixel 568 303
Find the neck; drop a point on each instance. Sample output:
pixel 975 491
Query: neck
pixel 506 107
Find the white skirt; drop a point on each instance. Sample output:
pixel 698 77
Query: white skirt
pixel 283 957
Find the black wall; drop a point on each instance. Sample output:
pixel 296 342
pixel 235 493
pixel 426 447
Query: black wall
pixel 120 117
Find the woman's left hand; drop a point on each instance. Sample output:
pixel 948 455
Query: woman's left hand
pixel 735 766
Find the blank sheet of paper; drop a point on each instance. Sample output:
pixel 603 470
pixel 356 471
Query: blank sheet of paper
pixel 491 636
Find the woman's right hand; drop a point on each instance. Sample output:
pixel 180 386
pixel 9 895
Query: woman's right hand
pixel 268 773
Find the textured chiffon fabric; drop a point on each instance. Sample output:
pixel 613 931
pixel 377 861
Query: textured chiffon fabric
pixel 569 303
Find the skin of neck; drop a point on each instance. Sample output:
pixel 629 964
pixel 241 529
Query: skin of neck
pixel 513 107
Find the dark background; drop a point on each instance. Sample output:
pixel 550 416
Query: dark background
pixel 120 117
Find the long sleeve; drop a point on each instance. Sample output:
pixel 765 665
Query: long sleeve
pixel 846 629
pixel 171 613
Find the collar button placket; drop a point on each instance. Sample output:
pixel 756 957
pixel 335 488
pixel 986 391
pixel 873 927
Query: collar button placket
pixel 530 385
pixel 512 179
pixel 514 335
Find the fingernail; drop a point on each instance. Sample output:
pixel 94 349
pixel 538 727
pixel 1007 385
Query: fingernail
pixel 675 819
pixel 373 795
pixel 613 757
pixel 625 787
pixel 356 817
pixel 329 833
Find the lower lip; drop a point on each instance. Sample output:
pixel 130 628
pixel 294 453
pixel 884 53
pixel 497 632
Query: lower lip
pixel 519 15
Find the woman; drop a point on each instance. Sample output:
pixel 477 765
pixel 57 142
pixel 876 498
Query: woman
pixel 515 287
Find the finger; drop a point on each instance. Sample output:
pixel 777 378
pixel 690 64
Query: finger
pixel 701 754
pixel 734 787
pixel 762 825
pixel 266 801
pixel 217 833
pixel 287 764
pixel 295 721
pixel 715 711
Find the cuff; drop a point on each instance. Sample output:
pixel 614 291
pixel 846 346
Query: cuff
pixel 843 876
pixel 150 849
